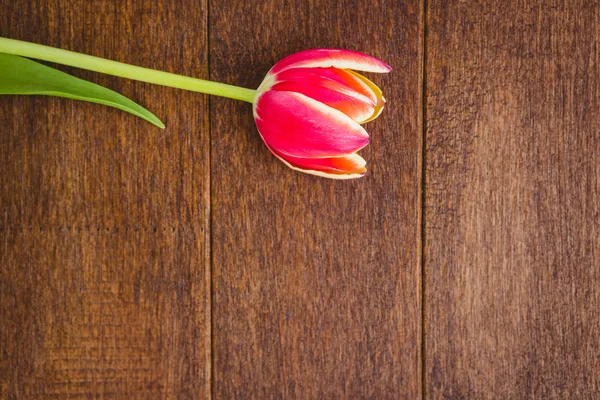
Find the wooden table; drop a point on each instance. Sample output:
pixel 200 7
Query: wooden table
pixel 189 263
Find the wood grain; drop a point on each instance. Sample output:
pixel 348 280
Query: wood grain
pixel 110 227
pixel 104 258
pixel 316 283
pixel 512 212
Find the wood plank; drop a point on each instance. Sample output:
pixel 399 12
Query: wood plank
pixel 512 200
pixel 88 314
pixel 104 271
pixel 316 283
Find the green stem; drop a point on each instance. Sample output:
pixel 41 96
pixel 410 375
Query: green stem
pixel 79 60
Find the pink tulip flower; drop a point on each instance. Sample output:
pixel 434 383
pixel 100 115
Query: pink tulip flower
pixel 310 107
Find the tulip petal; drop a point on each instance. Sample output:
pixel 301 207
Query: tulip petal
pixel 359 83
pixel 333 94
pixel 344 90
pixel 346 167
pixel 332 78
pixel 364 85
pixel 344 59
pixel 352 163
pixel 323 76
pixel 380 100
pixel 296 125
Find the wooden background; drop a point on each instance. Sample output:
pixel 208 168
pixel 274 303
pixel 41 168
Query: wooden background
pixel 189 263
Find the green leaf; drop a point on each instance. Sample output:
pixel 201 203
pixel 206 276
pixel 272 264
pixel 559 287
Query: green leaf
pixel 20 75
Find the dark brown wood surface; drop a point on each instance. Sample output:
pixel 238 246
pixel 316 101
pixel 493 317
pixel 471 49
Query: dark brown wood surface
pixel 316 283
pixel 190 263
pixel 104 235
pixel 512 254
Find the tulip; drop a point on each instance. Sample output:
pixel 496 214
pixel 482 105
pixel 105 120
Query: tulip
pixel 310 107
